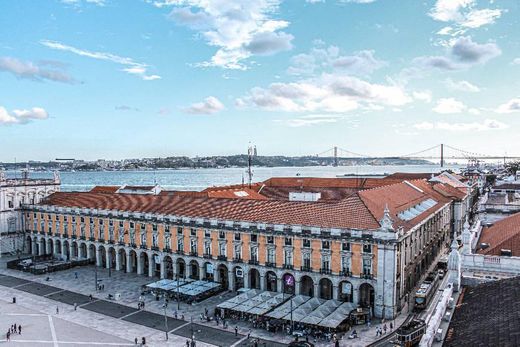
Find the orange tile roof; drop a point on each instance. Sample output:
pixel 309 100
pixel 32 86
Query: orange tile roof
pixel 504 234
pixel 449 191
pixel 104 189
pixel 410 175
pixel 347 213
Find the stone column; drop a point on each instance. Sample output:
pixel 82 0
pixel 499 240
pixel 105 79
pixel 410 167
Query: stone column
pixel 279 285
pixel 118 261
pixel 98 257
pixel 296 287
pixel 202 273
pixel 41 247
pixel 108 258
pixel 335 292
pixel 63 250
pixel 151 265
pixel 163 269
pixel 262 282
pixel 246 280
pixel 355 295
pixel 140 264
pixel 316 290
pixel 71 251
pixel 128 263
pixel 231 277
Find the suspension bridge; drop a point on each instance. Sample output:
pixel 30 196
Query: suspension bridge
pixel 440 152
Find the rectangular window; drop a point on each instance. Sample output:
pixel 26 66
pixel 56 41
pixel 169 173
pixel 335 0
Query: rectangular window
pixel 367 248
pixel 207 234
pixel 271 255
pixel 254 238
pixel 325 245
pixel 221 235
pixel 254 253
pixel 288 241
pixel 121 223
pixel 179 230
pixel 180 244
pixel 222 249
pixel 11 204
pixel 238 252
pixel 270 240
pixel 207 247
pixel 325 262
pixel 193 232
pixel 367 267
pixel 132 225
pixel 288 259
pixel 307 260
pixel 237 236
pixel 345 246
pixel 193 246
pixel 306 243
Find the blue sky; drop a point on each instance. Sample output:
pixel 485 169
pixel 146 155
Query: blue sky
pixel 142 78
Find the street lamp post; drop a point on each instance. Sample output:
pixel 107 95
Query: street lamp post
pixel 178 299
pixel 165 317
pixel 191 326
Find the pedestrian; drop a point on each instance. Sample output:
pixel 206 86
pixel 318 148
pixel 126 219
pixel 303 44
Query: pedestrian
pixel 187 343
pixel 12 326
pixel 8 335
pixel 384 328
pixel 143 341
pixel 90 297
pixel 337 343
pixel 391 326
pixel 175 314
pixel 236 330
pixel 248 334
pixel 76 274
pixel 57 310
pixel 135 340
pixel 19 330
pixel 15 328
pixel 75 306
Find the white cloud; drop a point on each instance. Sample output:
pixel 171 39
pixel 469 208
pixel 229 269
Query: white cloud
pixel 79 2
pixel 424 95
pixel 132 67
pixel 463 15
pixel 239 29
pixel 461 86
pixel 312 119
pixel 488 124
pixel 516 61
pixel 210 105
pixel 463 53
pixel 326 93
pixel 511 106
pixel 359 63
pixel 22 116
pixel 448 106
pixel 35 71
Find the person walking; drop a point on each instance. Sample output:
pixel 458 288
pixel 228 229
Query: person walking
pixel 15 328
pixel 19 330
pixel 391 326
pixel 236 330
pixel 187 343
pixel 75 306
pixel 384 328
pixel 57 310
pixel 8 335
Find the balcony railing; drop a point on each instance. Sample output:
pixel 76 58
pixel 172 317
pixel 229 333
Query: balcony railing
pixel 82 237
pixel 253 262
pixel 194 253
pixel 180 251
pixel 345 273
pixel 121 243
pixel 238 260
pixel 268 264
pixel 167 249
pixel 306 268
pixel 92 238
pixel 133 245
pixel 325 271
pixel 367 276
pixel 222 257
pixel 142 246
pixel 207 256
pixel 288 266
pixel 155 248
pixel 111 242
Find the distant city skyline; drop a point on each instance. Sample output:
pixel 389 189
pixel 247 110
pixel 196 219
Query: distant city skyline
pixel 109 79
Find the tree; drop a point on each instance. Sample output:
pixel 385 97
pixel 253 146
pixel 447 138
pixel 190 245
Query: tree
pixel 512 167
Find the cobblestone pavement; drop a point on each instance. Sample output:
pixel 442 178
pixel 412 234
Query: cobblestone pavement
pixel 78 283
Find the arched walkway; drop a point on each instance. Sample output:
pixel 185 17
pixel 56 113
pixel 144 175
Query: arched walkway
pixel 102 256
pixel 91 253
pixel 75 250
pixel 111 258
pixel 28 245
pixel 50 246
pixel 145 263
pixel 83 250
pixel 238 279
pixel 209 271
pixel 254 279
pixel 288 284
pixel 121 259
pixel 66 250
pixel 222 271
pixel 345 291
pixel 366 295
pixel 194 270
pixel 307 286
pixel 270 281
pixel 181 268
pixel 57 247
pixel 133 261
pixel 325 289
pixel 168 267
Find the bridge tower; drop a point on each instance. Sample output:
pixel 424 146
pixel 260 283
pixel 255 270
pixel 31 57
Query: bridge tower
pixel 442 154
pixel 335 156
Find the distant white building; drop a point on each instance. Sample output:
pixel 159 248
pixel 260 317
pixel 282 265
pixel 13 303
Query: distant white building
pixel 15 192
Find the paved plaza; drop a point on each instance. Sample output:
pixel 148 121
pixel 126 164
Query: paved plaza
pixel 74 286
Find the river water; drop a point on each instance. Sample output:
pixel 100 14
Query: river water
pixel 198 179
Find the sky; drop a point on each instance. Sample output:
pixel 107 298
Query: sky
pixel 115 79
